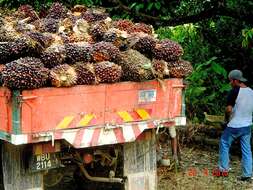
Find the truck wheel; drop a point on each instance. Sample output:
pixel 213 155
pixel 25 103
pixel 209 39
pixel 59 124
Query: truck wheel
pixel 140 163
pixel 15 174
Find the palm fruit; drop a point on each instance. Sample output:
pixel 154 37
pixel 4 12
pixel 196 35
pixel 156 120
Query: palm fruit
pixel 85 73
pixel 105 51
pixel 76 52
pixel 145 45
pixel 160 68
pixel 47 25
pixel 108 72
pixel 26 11
pixel 135 66
pixel 180 68
pixel 117 38
pixel 7 29
pixel 66 26
pixel 78 9
pixel 93 16
pixel 125 25
pixel 141 27
pixel 43 38
pixel 53 56
pixel 97 31
pixel 80 31
pixel 168 50
pixel 21 47
pixel 57 11
pixel 1 79
pixel 63 76
pixel 25 73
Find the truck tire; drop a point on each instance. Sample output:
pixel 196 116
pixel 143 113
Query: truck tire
pixel 140 163
pixel 15 174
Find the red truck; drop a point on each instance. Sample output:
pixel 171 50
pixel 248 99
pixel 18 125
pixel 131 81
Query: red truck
pixel 101 134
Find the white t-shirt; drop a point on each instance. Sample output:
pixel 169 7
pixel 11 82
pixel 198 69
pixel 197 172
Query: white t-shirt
pixel 242 109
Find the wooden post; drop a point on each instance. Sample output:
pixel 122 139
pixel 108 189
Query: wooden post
pixel 15 175
pixel 140 163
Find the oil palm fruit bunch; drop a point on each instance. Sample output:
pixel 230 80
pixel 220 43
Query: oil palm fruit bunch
pixel 45 39
pixel 93 16
pixel 76 52
pixel 48 25
pixel 26 11
pixel 1 79
pixel 85 73
pixel 105 51
pixel 168 50
pixel 53 56
pixel 107 72
pixel 135 66
pixel 57 11
pixel 141 27
pixel 97 31
pixel 160 68
pixel 117 38
pixel 21 47
pixel 180 69
pixel 25 73
pixel 125 25
pixel 63 76
pixel 77 10
pixel 145 45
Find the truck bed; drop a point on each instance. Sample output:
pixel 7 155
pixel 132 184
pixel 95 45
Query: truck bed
pixel 88 111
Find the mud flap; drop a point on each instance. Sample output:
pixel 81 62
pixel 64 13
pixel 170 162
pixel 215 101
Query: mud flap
pixel 140 163
pixel 15 175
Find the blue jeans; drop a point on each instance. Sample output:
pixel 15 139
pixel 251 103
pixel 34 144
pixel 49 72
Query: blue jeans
pixel 228 136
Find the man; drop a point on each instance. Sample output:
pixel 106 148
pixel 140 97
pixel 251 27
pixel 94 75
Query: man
pixel 238 116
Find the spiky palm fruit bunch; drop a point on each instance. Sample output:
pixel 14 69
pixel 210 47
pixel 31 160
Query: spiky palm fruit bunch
pixel 97 31
pixel 125 25
pixel 21 47
pixel 85 73
pixel 180 68
pixel 47 25
pixel 105 51
pixel 145 45
pixel 45 39
pixel 107 72
pixel 25 73
pixel 63 76
pixel 135 66
pixel 1 78
pixel 168 50
pixel 76 52
pixel 7 29
pixel 91 16
pixel 53 56
pixel 57 11
pixel 26 11
pixel 160 68
pixel 141 27
pixel 66 26
pixel 77 10
pixel 117 38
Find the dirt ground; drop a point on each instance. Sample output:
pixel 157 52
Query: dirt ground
pixel 197 172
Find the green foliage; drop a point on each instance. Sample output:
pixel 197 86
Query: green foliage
pixel 247 37
pixel 207 89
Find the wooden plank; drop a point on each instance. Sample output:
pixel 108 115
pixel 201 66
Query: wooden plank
pixel 140 164
pixel 15 175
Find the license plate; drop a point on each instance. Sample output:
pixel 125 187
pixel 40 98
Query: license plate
pixel 146 96
pixel 44 162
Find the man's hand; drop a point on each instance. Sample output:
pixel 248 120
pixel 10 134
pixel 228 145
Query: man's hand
pixel 223 125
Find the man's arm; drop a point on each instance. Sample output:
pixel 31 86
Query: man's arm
pixel 228 112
